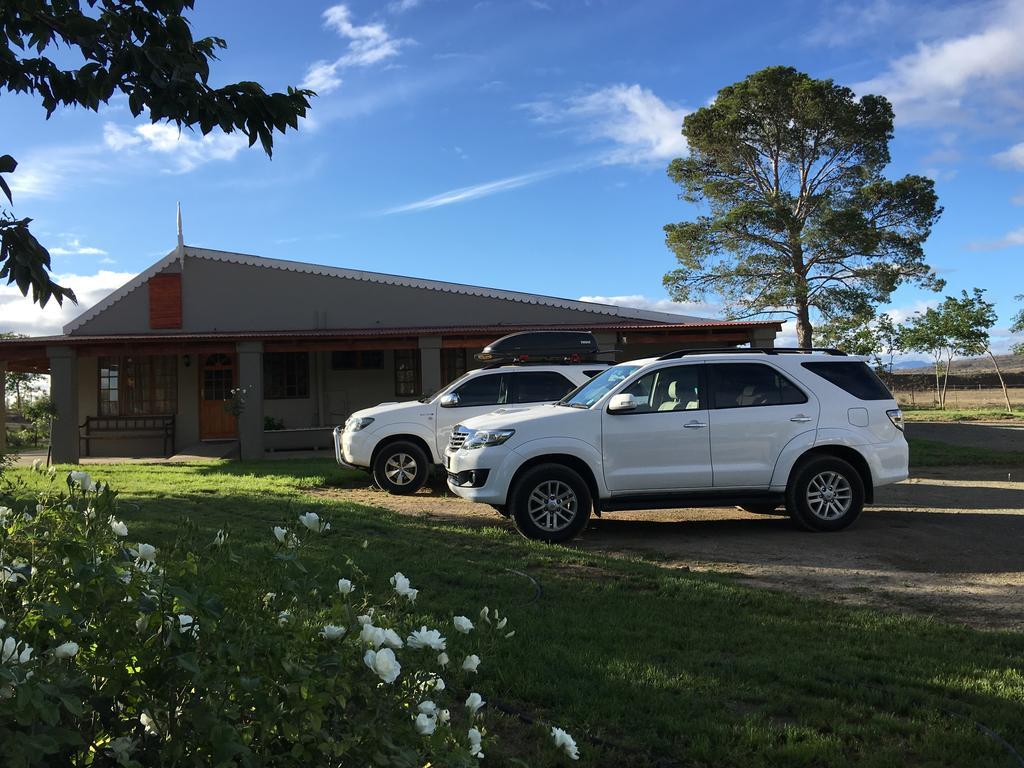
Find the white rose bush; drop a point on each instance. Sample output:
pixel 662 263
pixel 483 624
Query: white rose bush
pixel 117 652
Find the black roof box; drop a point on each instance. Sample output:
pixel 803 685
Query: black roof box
pixel 541 346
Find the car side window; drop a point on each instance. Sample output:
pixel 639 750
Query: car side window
pixel 540 386
pixel 677 388
pixel 745 385
pixel 491 389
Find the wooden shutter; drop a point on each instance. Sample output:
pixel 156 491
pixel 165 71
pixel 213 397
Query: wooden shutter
pixel 165 301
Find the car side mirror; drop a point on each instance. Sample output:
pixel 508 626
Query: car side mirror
pixel 623 403
pixel 450 400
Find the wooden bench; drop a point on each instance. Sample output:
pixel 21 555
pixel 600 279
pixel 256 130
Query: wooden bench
pixel 128 427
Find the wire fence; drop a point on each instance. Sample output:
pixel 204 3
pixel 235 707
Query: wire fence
pixel 960 396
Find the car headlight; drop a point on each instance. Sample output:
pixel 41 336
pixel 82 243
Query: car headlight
pixel 356 423
pixel 487 437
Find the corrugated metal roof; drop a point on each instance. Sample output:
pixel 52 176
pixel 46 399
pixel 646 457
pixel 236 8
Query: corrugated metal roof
pixel 348 333
pixel 610 310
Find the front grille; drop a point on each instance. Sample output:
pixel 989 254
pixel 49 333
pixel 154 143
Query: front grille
pixel 459 435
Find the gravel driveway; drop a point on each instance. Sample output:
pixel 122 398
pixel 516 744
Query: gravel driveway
pixel 949 543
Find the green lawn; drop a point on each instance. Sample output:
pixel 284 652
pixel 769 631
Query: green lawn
pixel 641 663
pixel 910 413
pixel 932 453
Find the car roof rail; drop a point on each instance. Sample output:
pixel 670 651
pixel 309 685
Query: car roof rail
pixel 753 350
pixel 549 362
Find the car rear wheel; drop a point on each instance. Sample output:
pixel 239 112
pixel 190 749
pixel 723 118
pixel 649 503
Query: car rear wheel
pixel 401 468
pixel 550 502
pixel 825 494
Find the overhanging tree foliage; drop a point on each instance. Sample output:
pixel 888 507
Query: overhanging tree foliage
pixel 141 48
pixel 800 218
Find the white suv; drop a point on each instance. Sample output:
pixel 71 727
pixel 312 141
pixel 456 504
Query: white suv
pixel 398 442
pixel 815 431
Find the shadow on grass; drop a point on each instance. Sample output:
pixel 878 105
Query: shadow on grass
pixel 671 665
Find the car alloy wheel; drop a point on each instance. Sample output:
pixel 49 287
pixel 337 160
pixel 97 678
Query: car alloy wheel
pixel 400 469
pixel 552 506
pixel 829 495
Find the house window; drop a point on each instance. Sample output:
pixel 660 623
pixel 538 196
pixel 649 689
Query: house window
pixel 453 364
pixel 138 385
pixel 285 375
pixel 351 360
pixel 407 372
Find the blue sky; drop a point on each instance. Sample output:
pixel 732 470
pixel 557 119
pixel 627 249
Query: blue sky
pixel 519 144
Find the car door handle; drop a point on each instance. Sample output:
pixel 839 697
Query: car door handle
pixel 801 419
pixel 694 425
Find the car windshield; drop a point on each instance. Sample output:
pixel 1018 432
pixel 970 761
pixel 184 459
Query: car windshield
pixel 587 394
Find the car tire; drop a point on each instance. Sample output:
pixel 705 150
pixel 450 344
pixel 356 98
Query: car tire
pixel 551 503
pixel 501 509
pixel 824 494
pixel 762 509
pixel 401 468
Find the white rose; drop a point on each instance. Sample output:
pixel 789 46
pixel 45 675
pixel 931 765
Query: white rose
pixel 66 650
pixel 565 742
pixel 383 663
pixel 332 632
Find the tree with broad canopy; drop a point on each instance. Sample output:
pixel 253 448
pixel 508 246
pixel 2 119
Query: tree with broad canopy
pixel 800 218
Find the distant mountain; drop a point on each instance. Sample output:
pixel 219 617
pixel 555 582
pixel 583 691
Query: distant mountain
pixel 1007 363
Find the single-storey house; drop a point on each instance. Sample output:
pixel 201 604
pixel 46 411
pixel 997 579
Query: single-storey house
pixel 309 343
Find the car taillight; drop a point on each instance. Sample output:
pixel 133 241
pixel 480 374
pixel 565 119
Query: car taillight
pixel 896 417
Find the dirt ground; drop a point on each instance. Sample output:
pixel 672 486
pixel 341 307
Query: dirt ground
pixel 947 543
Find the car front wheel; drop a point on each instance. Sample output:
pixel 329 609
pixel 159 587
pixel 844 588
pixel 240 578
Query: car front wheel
pixel 825 494
pixel 550 502
pixel 401 468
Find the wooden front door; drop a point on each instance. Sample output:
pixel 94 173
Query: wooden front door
pixel 216 380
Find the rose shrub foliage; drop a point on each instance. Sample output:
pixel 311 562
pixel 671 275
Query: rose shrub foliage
pixel 114 652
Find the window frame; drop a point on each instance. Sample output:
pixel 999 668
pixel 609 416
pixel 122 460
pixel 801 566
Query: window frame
pixel 712 386
pixel 702 389
pixel 517 377
pixel 286 389
pixel 873 377
pixel 454 364
pixel 415 383
pixel 365 360
pixel 139 379
pixel 504 388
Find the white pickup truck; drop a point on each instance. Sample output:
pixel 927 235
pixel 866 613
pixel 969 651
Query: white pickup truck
pixel 398 442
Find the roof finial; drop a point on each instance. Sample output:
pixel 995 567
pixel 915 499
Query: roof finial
pixel 181 239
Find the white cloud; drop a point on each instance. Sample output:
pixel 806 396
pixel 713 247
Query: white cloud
pixel 903 313
pixel 931 83
pixel 640 127
pixel 19 315
pixel 1011 239
pixel 187 152
pixel 1018 199
pixel 401 6
pixel 74 247
pixel 475 191
pixel 368 43
pixel 847 23
pixel 47 171
pixel 1013 157
pixel 639 301
pixel 322 77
